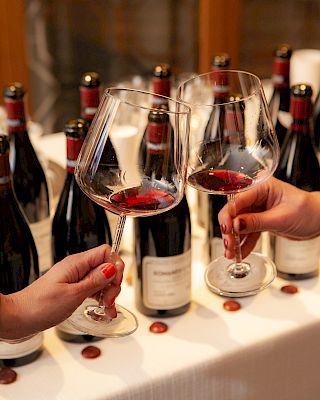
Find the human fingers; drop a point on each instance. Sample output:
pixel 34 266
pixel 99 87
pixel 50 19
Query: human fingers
pixel 270 220
pixel 76 266
pixel 118 262
pixel 98 279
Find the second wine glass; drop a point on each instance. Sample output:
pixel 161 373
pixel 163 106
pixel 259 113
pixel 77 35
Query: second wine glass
pixel 112 172
pixel 238 150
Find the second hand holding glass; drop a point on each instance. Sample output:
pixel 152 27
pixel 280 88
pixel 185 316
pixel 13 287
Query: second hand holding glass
pixel 241 152
pixel 111 173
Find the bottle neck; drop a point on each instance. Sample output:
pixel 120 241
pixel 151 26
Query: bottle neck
pixel 161 86
pixel 157 137
pixel 301 110
pixel 280 73
pixel 5 174
pixel 89 102
pixel 16 120
pixel 220 85
pixel 73 149
pixel 233 121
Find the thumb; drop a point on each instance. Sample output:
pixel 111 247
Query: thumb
pixel 97 279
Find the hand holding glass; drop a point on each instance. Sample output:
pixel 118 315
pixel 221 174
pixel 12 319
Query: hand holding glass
pixel 112 172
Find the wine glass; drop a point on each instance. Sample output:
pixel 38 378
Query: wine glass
pixel 113 169
pixel 237 150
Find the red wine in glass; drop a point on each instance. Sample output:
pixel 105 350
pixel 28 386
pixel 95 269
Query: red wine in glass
pixel 219 180
pixel 140 199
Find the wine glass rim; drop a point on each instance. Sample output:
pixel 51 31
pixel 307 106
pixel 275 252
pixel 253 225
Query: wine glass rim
pixel 233 72
pixel 185 111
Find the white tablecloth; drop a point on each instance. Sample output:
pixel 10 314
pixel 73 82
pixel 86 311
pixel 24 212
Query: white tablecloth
pixel 270 349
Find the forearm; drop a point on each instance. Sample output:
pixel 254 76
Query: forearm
pixel 13 324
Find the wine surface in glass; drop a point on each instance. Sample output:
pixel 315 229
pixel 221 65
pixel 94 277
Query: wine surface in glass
pixel 139 199
pixel 219 180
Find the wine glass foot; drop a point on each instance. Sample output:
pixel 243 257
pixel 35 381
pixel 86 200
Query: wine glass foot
pixel 91 320
pixel 258 273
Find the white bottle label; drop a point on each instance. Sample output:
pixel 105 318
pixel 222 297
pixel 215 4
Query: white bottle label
pixel 41 232
pixel 21 349
pixel 167 281
pixel 297 257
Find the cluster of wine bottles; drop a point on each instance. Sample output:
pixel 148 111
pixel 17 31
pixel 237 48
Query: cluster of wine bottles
pixel 296 122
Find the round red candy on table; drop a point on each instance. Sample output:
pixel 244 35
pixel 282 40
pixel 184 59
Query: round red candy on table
pixel 231 305
pixel 91 352
pixel 158 327
pixel 290 289
pixel 7 375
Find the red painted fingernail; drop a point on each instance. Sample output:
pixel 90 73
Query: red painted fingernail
pixel 242 225
pixel 108 270
pixel 223 228
pixel 225 243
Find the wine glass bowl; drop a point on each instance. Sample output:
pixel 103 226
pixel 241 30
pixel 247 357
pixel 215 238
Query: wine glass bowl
pixel 236 150
pixel 115 171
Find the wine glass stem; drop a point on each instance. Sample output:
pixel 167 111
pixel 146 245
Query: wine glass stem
pixel 239 269
pixel 118 234
pixel 115 247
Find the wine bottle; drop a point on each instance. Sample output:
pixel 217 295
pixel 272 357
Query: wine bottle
pixel 210 205
pixel 79 224
pixel 299 166
pixel 18 261
pixel 162 278
pixel 29 180
pixel 279 103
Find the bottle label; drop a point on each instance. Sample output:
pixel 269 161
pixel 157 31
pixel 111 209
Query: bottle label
pixel 41 232
pixel 297 257
pixel 21 349
pixel 166 281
